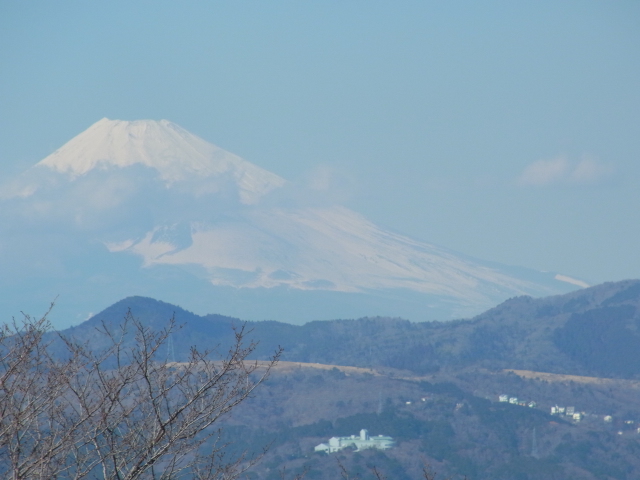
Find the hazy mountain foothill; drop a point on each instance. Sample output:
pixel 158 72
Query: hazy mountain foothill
pixel 434 387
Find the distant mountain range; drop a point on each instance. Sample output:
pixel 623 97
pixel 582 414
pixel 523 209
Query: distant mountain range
pixel 593 331
pixel 146 207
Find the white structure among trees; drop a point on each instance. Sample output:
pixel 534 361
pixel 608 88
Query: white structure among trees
pixel 362 442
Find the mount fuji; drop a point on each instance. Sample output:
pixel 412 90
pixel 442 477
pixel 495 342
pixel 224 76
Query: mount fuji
pixel 147 208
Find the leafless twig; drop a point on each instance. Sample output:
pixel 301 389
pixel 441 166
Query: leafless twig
pixel 122 412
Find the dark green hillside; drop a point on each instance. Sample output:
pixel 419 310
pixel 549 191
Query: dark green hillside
pixel 604 340
pixel 206 332
pixel 589 332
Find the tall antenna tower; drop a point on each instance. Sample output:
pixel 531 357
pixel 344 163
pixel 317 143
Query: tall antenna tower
pixel 171 353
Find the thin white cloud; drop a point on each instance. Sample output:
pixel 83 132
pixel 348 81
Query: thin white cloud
pixel 589 170
pixel 323 185
pixel 322 178
pixel 560 170
pixel 544 172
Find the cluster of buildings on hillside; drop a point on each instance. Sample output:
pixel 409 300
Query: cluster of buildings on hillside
pixel 516 401
pixel 358 442
pixel 569 412
pixel 577 416
pixel 561 411
pixel 556 410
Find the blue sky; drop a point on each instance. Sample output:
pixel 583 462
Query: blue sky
pixel 509 131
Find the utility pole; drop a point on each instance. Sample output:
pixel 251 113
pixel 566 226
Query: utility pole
pixel 534 444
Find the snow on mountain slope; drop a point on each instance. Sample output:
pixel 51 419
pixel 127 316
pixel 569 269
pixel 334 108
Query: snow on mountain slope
pixel 175 153
pixel 329 249
pixel 150 190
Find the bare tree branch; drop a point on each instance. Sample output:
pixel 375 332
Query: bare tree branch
pixel 122 412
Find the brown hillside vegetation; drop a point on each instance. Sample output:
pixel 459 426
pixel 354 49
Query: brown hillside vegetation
pixel 555 377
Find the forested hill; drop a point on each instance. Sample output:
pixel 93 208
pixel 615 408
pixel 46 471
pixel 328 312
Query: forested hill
pixel 594 331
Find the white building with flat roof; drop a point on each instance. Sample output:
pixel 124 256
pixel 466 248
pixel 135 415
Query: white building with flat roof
pixel 361 442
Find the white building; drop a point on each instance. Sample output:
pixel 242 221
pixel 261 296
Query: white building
pixel 362 442
pixel 503 398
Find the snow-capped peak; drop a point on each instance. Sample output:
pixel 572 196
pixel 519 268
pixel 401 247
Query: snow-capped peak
pixel 166 147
